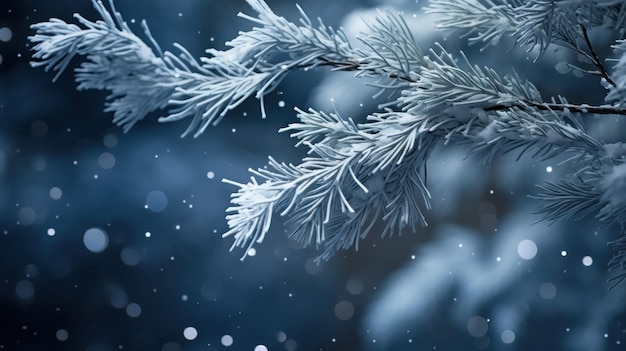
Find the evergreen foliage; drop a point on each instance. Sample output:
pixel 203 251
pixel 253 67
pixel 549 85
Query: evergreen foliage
pixel 357 174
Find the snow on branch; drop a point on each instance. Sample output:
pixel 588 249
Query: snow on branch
pixel 617 91
pixel 139 79
pixel 142 78
pixel 482 21
pixel 533 23
pixel 357 174
pixel 444 82
pixel 493 114
pixel 600 191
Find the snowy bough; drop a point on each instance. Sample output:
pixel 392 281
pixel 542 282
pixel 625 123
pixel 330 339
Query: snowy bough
pixel 358 174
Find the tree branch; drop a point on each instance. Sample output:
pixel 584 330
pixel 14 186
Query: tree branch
pixel 581 108
pixel 595 58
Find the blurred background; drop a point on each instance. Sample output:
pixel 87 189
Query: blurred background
pixel 112 241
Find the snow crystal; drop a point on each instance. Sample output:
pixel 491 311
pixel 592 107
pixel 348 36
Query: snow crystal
pixel 527 249
pixel 96 240
pixel 109 141
pixel 62 335
pixel 130 256
pixel 133 310
pixel 55 193
pixel 507 336
pixel 51 231
pixel 117 297
pixel 477 326
pixel 106 160
pixel 6 34
pixel 291 345
pixel 260 348
pixel 547 291
pixel 344 310
pixel 190 333
pixel 281 336
pixel 156 201
pixel 38 129
pixel 587 261
pixel 25 290
pixel 355 286
pixel 227 340
pixel 311 267
pixel 210 175
pixel 27 216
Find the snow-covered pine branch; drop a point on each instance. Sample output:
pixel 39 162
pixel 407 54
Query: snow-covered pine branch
pixel 142 78
pixel 533 23
pixel 359 173
pixel 601 194
pixel 356 174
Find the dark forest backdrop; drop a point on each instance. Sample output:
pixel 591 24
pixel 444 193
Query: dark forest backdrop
pixel 113 241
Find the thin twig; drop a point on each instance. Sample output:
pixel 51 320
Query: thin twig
pixel 356 66
pixel 583 108
pixel 543 106
pixel 596 59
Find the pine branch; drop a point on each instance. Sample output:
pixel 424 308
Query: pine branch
pixel 143 79
pixel 358 175
pixel 569 200
pixel 612 188
pixel 448 103
pixel 480 21
pixel 618 261
pixel 594 57
pixel 534 23
pixel 120 62
pixel 495 114
pixel 600 193
pixel 140 79
pixel 617 92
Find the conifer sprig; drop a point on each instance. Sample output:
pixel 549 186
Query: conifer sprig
pixel 357 174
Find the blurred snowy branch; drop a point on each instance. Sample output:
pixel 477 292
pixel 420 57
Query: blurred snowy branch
pixel 355 173
pixel 533 24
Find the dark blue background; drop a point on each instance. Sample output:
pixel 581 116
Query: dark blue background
pixel 182 275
